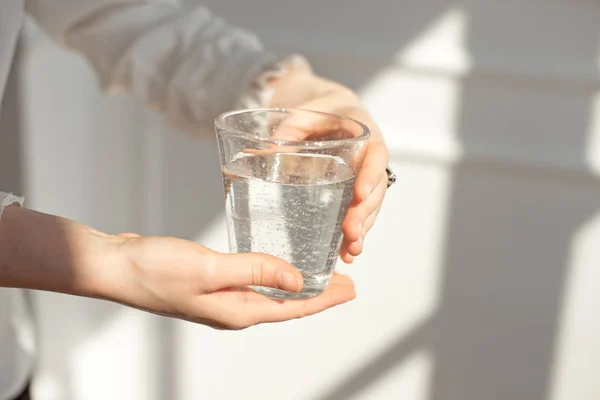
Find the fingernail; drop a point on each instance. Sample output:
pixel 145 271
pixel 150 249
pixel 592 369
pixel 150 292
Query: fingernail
pixel 288 281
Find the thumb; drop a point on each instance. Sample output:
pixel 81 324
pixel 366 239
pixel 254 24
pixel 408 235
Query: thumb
pixel 257 269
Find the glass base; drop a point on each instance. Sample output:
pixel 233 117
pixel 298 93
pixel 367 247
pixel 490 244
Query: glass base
pixel 278 294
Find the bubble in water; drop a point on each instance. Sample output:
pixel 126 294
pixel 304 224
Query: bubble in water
pixel 296 217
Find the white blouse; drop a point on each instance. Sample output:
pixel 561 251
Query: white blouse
pixel 182 62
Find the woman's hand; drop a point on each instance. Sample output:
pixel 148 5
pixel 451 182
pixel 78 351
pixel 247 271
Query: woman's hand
pixel 167 276
pixel 182 279
pixel 300 88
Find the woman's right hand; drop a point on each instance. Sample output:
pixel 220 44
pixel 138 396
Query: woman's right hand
pixel 167 276
pixel 182 279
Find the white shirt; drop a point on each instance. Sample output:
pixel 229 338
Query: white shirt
pixel 182 62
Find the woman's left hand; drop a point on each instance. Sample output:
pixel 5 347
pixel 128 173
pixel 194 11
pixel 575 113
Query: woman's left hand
pixel 300 88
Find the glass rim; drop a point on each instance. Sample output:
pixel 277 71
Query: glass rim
pixel 220 124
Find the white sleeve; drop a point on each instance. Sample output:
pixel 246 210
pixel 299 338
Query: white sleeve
pixel 183 62
pixel 6 199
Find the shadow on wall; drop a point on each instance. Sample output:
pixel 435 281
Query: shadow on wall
pixel 493 334
pixel 507 253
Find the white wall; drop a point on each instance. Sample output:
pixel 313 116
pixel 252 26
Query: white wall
pixel 480 280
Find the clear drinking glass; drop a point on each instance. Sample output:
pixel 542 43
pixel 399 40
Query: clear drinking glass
pixel 288 178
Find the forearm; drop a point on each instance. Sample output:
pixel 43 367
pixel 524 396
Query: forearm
pixel 44 252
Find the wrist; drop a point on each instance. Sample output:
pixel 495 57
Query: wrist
pixel 102 268
pixel 270 78
pixel 45 252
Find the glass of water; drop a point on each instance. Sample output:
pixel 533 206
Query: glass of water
pixel 288 178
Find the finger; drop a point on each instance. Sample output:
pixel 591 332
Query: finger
pixel 370 221
pixel 298 126
pixel 374 164
pixel 232 270
pixel 338 292
pixel 338 277
pixel 359 211
pixel 318 124
pixel 335 295
pixel 376 157
pixel 356 248
pixel 344 255
pixel 347 258
pixel 241 308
